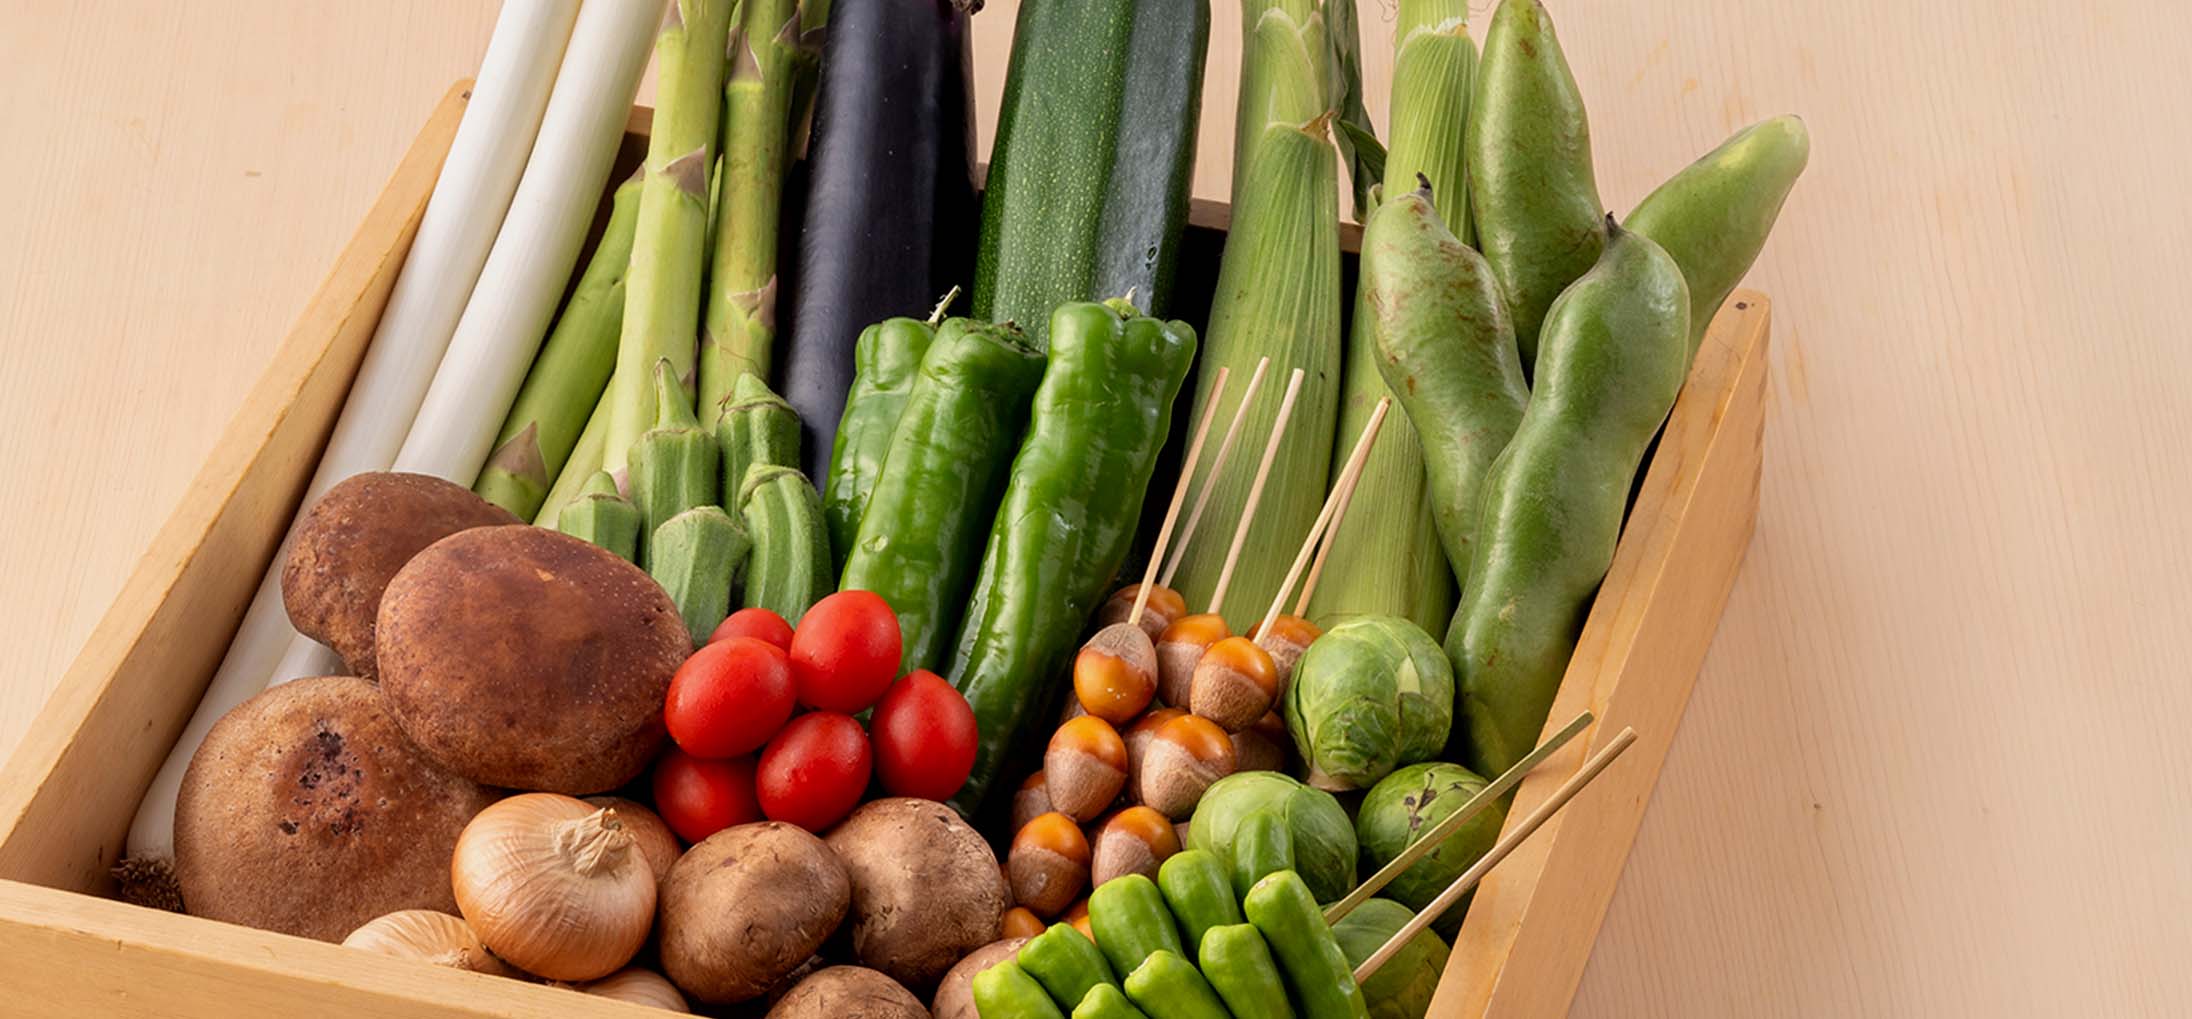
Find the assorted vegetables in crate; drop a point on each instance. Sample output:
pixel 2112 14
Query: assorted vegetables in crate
pixel 797 598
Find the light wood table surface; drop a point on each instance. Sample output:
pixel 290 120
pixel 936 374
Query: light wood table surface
pixel 1935 763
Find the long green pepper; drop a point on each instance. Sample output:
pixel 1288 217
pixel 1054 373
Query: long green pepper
pixel 1068 515
pixel 1615 352
pixel 920 540
pixel 886 360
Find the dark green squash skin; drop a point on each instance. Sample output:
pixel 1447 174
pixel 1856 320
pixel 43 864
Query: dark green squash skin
pixel 1088 184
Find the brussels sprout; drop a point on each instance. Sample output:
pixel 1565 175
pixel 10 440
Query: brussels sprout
pixel 1411 801
pixel 1324 840
pixel 1400 989
pixel 1372 694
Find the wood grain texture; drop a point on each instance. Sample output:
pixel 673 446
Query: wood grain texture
pixel 1929 766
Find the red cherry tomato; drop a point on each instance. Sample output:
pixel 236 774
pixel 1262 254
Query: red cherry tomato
pixel 924 737
pixel 757 623
pixel 729 698
pixel 698 798
pixel 845 652
pixel 813 773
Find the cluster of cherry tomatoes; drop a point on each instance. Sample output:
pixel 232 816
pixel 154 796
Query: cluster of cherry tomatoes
pixel 744 750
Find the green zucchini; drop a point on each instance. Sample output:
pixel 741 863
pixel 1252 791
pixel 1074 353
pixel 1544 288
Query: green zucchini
pixel 1088 183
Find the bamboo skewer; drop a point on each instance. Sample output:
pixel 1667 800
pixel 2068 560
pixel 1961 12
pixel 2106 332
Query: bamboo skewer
pixel 1348 474
pixel 1324 546
pixel 1499 851
pixel 1179 495
pixel 1225 450
pixel 1439 832
pixel 1255 493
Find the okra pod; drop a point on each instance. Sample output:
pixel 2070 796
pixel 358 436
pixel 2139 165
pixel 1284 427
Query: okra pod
pixel 791 547
pixel 696 557
pixel 673 465
pixel 604 517
pixel 755 426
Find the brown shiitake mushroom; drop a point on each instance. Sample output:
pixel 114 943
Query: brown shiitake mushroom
pixel 524 658
pixel 848 992
pixel 1179 649
pixel 555 885
pixel 1085 767
pixel 926 889
pixel 1048 864
pixel 1234 684
pixel 651 835
pixel 428 935
pixel 955 996
pixel 638 986
pixel 305 811
pixel 355 539
pixel 1134 841
pixel 1031 800
pixel 746 906
pixel 1183 758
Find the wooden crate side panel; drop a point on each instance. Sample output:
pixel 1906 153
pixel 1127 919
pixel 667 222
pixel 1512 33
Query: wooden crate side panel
pixel 1529 931
pixel 69 791
pixel 68 954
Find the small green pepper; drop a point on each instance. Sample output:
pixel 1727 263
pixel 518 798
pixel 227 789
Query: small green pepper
pixel 1531 186
pixel 1238 965
pixel 1106 1001
pixel 885 361
pixel 920 539
pixel 1068 515
pixel 1262 845
pixel 1005 991
pixel 1065 962
pixel 1195 886
pixel 1167 987
pixel 1616 350
pixel 1288 918
pixel 1129 917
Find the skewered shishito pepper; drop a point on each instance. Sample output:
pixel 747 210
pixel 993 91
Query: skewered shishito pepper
pixel 920 538
pixel 886 360
pixel 1069 512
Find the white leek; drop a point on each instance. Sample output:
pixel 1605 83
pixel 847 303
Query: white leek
pixel 462 216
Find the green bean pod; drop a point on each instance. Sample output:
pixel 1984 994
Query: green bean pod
pixel 1616 350
pixel 1714 216
pixel 1005 991
pixel 1447 352
pixel 1262 845
pixel 1238 965
pixel 1106 1001
pixel 1069 513
pixel 1287 916
pixel 886 360
pixel 1195 887
pixel 1531 186
pixel 920 540
pixel 755 426
pixel 1166 986
pixel 1129 917
pixel 1065 962
pixel 790 569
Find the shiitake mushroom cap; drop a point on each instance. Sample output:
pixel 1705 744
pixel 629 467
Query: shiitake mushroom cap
pixel 525 658
pixel 306 811
pixel 926 888
pixel 747 906
pixel 355 539
pixel 955 995
pixel 848 992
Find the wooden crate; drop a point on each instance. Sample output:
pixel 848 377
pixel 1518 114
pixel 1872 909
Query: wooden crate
pixel 68 793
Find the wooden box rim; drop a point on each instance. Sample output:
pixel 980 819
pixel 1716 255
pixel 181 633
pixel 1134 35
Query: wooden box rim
pixel 68 791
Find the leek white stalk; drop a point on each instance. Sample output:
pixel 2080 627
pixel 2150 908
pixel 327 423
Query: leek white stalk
pixel 462 216
pixel 533 256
